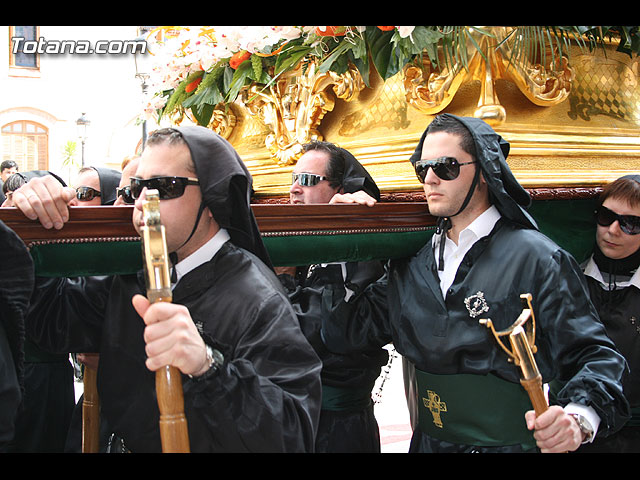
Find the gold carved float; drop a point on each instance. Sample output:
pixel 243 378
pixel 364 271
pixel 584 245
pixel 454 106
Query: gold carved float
pixel 572 118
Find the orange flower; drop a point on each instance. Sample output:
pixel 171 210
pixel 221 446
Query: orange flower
pixel 238 58
pixel 193 85
pixel 386 29
pixel 331 31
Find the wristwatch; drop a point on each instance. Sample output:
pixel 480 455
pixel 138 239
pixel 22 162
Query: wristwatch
pixel 215 360
pixel 215 357
pixel 585 427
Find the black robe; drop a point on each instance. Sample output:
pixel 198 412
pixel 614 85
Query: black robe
pixel 16 285
pixel 266 397
pixel 440 336
pixel 347 420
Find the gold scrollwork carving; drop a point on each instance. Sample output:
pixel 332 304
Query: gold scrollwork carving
pixel 294 105
pixel 491 58
pixel 223 119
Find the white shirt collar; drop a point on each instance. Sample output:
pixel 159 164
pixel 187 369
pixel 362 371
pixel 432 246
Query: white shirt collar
pixel 485 222
pixel 480 227
pixel 202 255
pixel 592 270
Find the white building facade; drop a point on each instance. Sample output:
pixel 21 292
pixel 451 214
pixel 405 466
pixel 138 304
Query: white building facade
pixel 51 75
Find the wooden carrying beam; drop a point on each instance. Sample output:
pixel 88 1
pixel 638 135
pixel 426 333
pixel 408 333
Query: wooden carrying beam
pixel 281 219
pixel 84 223
pixel 102 240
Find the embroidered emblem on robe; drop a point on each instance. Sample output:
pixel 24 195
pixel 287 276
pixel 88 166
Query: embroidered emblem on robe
pixel 476 304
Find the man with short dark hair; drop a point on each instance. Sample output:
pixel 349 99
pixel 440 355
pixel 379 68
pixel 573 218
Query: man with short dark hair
pixel 96 186
pixel 347 420
pixel 7 168
pixel 463 391
pixel 251 381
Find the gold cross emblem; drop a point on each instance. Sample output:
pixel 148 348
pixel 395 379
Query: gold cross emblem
pixel 435 406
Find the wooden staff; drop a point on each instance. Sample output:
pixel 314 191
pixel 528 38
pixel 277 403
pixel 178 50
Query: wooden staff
pixel 173 423
pixel 521 354
pixel 90 412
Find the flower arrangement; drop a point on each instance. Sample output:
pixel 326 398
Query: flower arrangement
pixel 199 68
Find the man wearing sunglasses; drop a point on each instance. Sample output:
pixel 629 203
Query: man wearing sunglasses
pixel 122 197
pixel 486 252
pixel 251 380
pixel 614 285
pixel 96 186
pixel 324 173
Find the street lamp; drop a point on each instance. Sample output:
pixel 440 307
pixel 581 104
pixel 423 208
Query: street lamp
pixel 143 77
pixel 83 124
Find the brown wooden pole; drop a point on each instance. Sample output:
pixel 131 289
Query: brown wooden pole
pixel 173 423
pixel 90 412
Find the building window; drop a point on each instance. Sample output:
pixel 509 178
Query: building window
pixel 18 58
pixel 27 143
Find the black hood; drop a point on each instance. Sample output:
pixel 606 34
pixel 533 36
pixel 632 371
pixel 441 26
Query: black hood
pixel 16 286
pixel 356 177
pixel 225 184
pixel 509 197
pixel 109 181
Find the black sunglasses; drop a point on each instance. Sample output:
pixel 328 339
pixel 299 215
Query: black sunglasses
pixel 306 179
pixel 125 193
pixel 446 168
pixel 629 224
pixel 168 187
pixel 84 194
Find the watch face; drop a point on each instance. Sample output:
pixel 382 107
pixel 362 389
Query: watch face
pixel 585 427
pixel 218 358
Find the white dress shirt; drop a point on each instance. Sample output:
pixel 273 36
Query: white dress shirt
pixel 453 254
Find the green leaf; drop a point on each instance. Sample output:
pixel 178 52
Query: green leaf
pixel 211 77
pixel 209 96
pixel 174 100
pixel 385 58
pixel 289 59
pixel 203 114
pixel 256 63
pixel 238 81
pixel 335 56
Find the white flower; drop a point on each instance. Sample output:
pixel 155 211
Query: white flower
pixel 404 32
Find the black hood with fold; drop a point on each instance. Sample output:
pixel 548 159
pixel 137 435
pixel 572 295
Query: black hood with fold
pixel 109 181
pixel 509 197
pixel 225 183
pixel 356 177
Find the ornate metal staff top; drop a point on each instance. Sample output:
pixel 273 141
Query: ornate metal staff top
pixel 154 250
pixel 523 347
